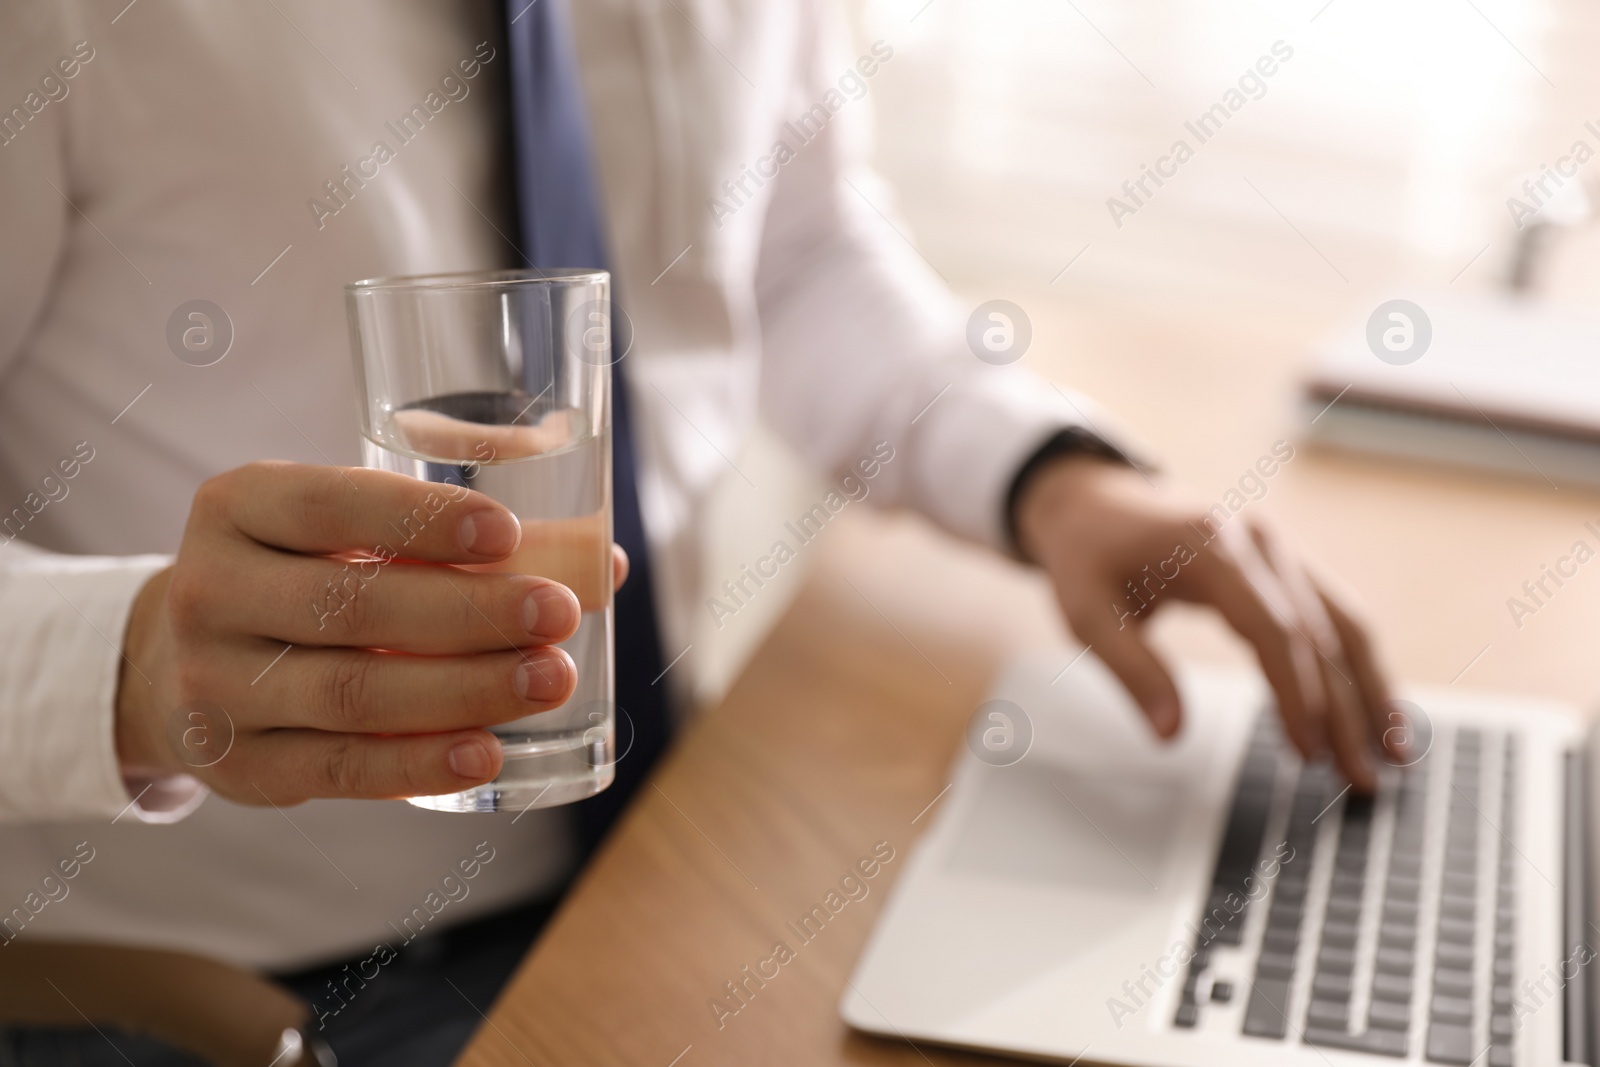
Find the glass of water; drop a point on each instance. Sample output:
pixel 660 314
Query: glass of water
pixel 500 382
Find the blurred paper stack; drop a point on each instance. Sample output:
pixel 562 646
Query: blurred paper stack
pixel 1491 382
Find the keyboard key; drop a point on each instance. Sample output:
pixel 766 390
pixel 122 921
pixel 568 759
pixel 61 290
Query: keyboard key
pixel 1281 939
pixel 1388 1015
pixel 1221 992
pixel 1350 861
pixel 1500 1056
pixel 1331 986
pixel 1403 885
pixel 1341 934
pixel 1285 917
pixel 1267 1014
pixel 1400 911
pixel 1346 885
pixel 1381 1042
pixel 1335 960
pixel 1404 855
pixel 1288 893
pixel 1450 1043
pixel 1188 1015
pixel 1394 961
pixel 1275 965
pixel 1453 982
pixel 1345 909
pixel 1333 1014
pixel 1451 1009
pixel 1391 987
pixel 1395 935
pixel 1242 839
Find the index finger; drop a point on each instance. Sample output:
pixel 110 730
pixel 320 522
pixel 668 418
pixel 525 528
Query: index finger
pixel 1240 585
pixel 1348 718
pixel 325 510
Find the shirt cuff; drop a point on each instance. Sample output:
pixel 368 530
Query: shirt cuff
pixel 62 621
pixel 983 433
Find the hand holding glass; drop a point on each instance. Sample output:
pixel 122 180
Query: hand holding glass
pixel 500 382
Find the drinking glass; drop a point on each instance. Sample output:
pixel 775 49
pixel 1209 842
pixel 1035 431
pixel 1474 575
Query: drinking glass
pixel 500 382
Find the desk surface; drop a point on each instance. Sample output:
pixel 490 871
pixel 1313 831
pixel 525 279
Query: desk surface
pixel 1191 324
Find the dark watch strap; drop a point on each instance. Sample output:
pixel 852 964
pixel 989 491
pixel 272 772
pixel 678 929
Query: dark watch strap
pixel 1074 440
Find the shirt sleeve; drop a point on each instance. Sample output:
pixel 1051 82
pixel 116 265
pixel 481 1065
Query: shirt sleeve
pixel 862 339
pixel 62 617
pixel 62 620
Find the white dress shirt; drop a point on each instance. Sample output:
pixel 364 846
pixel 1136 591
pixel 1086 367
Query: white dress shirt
pixel 180 160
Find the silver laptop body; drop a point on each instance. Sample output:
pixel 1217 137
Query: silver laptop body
pixel 1106 898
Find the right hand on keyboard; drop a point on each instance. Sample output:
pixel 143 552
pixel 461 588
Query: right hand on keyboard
pixel 1105 533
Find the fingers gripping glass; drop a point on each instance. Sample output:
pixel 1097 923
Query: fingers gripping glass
pixel 500 382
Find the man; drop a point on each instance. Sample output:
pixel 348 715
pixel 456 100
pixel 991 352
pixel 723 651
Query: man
pixel 258 157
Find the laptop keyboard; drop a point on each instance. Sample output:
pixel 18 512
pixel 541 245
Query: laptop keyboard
pixel 1393 955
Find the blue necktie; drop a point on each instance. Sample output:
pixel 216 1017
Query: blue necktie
pixel 559 212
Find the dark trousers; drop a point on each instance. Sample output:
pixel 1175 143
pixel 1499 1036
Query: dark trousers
pixel 419 1011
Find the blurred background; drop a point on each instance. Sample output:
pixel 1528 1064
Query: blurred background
pixel 1379 158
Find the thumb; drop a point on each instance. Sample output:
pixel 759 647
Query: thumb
pixel 1121 647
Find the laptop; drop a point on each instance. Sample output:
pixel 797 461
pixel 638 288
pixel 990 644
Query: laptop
pixel 1103 898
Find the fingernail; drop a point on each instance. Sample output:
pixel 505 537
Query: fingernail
pixel 549 612
pixel 470 759
pixel 542 676
pixel 489 532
